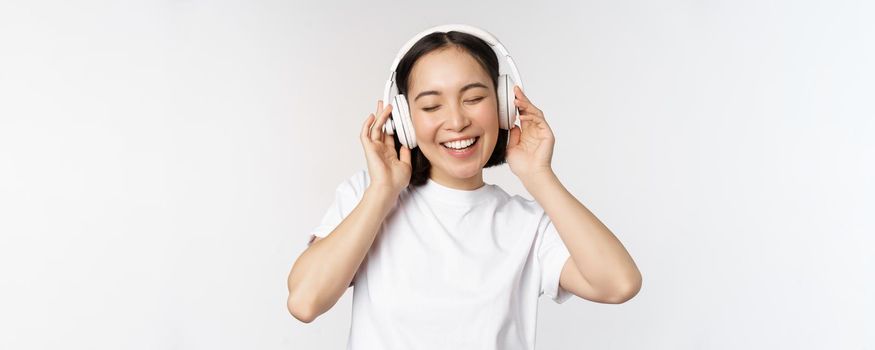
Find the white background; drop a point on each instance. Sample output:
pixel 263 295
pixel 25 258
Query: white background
pixel 161 163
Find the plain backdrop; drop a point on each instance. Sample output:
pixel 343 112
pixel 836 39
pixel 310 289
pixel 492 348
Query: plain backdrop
pixel 161 163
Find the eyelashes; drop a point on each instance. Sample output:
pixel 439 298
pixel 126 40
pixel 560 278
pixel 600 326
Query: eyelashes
pixel 433 108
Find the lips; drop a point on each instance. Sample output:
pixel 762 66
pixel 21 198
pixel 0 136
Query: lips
pixel 463 153
pixel 459 143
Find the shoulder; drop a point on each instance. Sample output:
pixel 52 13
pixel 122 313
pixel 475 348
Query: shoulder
pixel 516 203
pixel 355 184
pixel 360 179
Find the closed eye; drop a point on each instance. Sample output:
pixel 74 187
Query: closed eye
pixel 433 108
pixel 477 99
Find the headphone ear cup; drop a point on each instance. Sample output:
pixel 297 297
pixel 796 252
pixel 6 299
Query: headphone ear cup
pixel 403 123
pixel 507 112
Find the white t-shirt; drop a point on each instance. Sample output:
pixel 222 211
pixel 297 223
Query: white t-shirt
pixel 451 269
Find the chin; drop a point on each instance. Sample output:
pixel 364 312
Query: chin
pixel 465 173
pixel 458 171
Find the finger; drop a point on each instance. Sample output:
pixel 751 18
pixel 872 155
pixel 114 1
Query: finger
pixel 377 134
pixel 514 135
pixel 389 141
pixel 528 107
pixel 405 155
pixel 386 114
pixel 528 120
pixel 366 127
pixel 377 128
pixel 525 123
pixel 531 117
pixel 523 101
pixel 518 92
pixel 379 106
pixel 523 105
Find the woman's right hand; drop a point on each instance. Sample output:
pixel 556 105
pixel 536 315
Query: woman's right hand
pixel 386 170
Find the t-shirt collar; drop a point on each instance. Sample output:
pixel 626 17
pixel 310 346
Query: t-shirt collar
pixel 456 196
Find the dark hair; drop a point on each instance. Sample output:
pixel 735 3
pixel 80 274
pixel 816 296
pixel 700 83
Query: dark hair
pixel 484 54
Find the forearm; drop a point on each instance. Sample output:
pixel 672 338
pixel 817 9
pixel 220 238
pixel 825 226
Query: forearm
pixel 324 271
pixel 597 253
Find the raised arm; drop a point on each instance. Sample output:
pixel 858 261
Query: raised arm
pixel 324 271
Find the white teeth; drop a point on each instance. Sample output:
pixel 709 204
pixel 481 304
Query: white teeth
pixel 460 143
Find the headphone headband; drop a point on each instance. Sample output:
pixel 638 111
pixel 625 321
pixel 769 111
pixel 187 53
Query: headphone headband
pixel 504 56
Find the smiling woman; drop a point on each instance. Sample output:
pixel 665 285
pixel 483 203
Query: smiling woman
pixel 437 257
pixel 454 78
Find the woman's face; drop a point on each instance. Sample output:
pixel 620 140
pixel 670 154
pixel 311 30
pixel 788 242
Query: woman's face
pixel 451 97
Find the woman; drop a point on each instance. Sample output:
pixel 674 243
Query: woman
pixel 439 259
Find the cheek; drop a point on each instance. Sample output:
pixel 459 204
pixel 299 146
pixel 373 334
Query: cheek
pixel 486 111
pixel 424 129
pixel 487 116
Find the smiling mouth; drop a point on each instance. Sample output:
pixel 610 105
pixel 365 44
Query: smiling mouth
pixel 476 139
pixel 464 153
pixel 472 144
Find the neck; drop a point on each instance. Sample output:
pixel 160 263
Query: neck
pixel 465 184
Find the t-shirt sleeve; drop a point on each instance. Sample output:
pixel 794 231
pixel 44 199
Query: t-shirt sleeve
pixel 552 255
pixel 347 196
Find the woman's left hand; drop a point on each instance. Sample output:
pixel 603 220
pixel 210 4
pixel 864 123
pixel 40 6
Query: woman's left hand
pixel 530 150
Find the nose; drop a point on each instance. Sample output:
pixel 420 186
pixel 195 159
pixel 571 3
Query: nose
pixel 457 119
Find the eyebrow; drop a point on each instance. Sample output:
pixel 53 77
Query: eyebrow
pixel 463 89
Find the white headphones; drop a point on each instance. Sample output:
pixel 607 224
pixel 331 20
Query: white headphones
pixel 507 112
